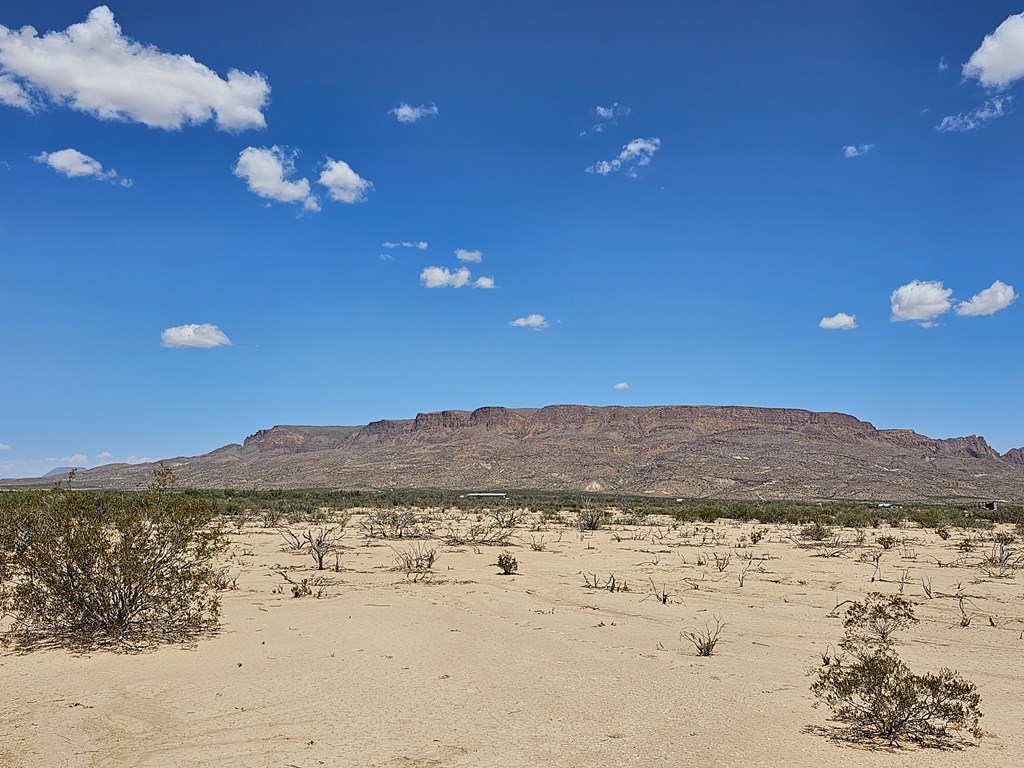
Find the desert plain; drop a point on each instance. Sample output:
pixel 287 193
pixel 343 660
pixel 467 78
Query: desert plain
pixel 459 665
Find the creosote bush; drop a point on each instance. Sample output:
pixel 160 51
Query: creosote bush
pixel 877 695
pixel 126 570
pixel 507 563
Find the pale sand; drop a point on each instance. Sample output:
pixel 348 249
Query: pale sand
pixel 478 669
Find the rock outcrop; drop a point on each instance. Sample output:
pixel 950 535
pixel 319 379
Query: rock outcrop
pixel 693 451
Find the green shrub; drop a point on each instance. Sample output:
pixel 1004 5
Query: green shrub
pixel 507 563
pixel 816 531
pixel 887 542
pixel 879 697
pixel 86 570
pixel 873 622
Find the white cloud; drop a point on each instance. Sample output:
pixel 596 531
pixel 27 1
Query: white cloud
pixel 198 335
pixel 75 458
pixel 4 447
pixel 104 456
pixel 922 301
pixel 75 164
pixel 442 277
pixel 839 322
pixel 419 244
pixel 407 113
pixel 610 113
pixel 484 282
pixel 1000 58
pixel 343 184
pixel 264 171
pixel 997 296
pixel 943 66
pixel 13 95
pixel 990 110
pixel 463 255
pixel 621 386
pixel 535 322
pixel 856 150
pixel 92 67
pixel 636 153
pixel 386 257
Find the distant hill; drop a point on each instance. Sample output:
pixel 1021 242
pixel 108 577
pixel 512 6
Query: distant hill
pixel 62 471
pixel 691 451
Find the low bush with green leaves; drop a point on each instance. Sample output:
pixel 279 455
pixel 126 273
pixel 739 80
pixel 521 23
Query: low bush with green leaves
pixel 507 563
pixel 125 570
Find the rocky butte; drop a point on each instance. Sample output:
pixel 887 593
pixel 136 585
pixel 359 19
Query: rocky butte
pixel 690 451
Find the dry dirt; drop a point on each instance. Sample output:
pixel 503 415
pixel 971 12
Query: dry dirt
pixel 478 669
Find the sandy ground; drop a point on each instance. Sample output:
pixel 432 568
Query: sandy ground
pixel 535 669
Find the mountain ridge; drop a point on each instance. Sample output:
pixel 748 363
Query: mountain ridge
pixel 681 450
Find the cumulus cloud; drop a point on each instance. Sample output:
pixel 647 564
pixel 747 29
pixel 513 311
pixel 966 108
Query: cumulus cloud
pixel 265 171
pixel 93 68
pixel 920 301
pixel 197 335
pixel 621 386
pixel 75 164
pixel 463 255
pixel 105 455
pixel 343 184
pixel 1000 59
pixel 856 150
pixel 13 95
pixel 839 322
pixel 419 244
pixel 636 153
pixel 534 322
pixel 407 113
pixel 997 296
pixel 442 277
pixel 968 121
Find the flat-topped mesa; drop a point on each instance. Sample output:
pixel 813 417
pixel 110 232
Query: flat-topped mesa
pixel 970 447
pixel 428 422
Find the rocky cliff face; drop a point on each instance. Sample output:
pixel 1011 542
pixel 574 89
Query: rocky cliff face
pixel 694 451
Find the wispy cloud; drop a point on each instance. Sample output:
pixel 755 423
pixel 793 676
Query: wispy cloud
pixel 999 59
pixel 638 152
pixel 418 244
pixel 76 165
pixel 839 322
pixel 990 110
pixel 943 66
pixel 4 447
pixel 621 386
pixel 93 68
pixel 856 150
pixel 607 116
pixel 996 297
pixel 343 184
pixel 196 335
pixel 407 113
pixel 920 301
pixel 534 322
pixel 473 256
pixel 265 171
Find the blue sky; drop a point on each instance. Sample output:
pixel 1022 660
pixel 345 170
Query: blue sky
pixel 668 197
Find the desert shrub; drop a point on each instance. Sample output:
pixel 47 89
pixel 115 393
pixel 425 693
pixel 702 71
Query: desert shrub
pixel 591 519
pixel 390 524
pixel 943 532
pixel 872 622
pixel 127 570
pixel 757 535
pixel 320 543
pixel 507 563
pixel 887 542
pixel 878 696
pixel 815 531
pixel 416 562
pixel 704 640
pixel 506 517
